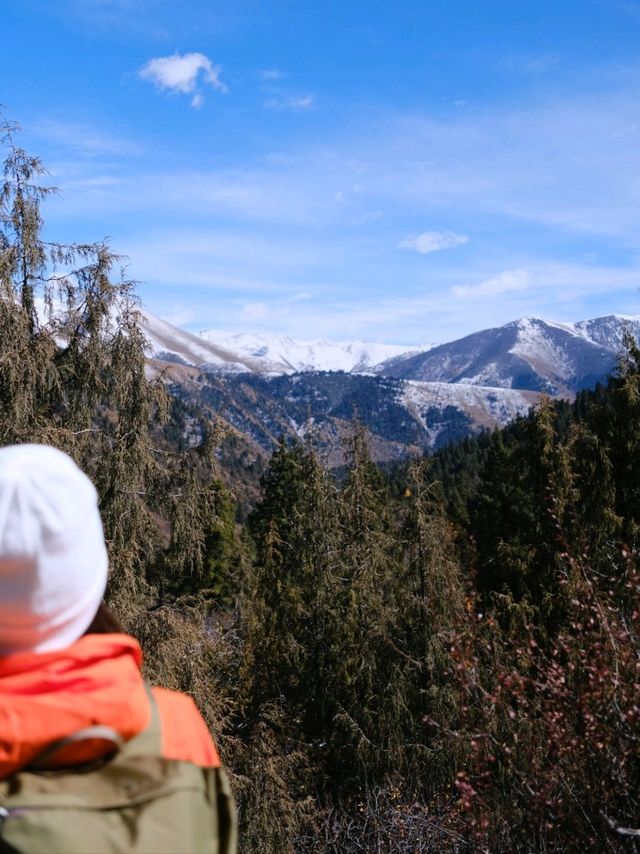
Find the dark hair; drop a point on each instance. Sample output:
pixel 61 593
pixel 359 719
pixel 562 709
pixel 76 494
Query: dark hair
pixel 104 623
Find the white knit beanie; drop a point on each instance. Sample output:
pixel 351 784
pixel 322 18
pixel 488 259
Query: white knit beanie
pixel 53 559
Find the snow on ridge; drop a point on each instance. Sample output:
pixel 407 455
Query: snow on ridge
pixel 530 320
pixel 309 355
pixel 487 406
pixel 268 355
pixel 609 326
pixel 536 343
pixel 163 337
pixel 546 345
pixel 538 348
pixel 444 393
pixel 608 331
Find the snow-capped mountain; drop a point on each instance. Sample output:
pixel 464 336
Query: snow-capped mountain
pixel 531 354
pixel 264 387
pixel 171 344
pixel 609 331
pixel 224 352
pixel 316 355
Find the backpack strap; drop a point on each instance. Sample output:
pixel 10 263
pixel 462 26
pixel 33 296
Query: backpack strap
pixel 102 733
pixel 145 743
pixel 148 742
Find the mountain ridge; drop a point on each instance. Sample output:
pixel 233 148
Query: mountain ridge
pixel 320 354
pixel 410 403
pixel 529 353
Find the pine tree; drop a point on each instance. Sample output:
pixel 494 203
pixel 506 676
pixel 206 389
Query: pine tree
pixel 72 374
pixel 595 490
pixel 284 604
pixel 367 676
pixel 433 609
pixel 617 423
pixel 284 600
pixel 524 518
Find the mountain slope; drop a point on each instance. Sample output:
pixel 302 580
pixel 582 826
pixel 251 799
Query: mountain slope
pixel 530 354
pixel 402 417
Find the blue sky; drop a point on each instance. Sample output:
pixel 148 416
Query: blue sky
pixel 405 172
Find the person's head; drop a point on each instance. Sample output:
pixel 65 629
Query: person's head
pixel 53 559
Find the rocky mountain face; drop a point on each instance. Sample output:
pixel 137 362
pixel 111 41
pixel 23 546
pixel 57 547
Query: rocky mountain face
pixel 409 402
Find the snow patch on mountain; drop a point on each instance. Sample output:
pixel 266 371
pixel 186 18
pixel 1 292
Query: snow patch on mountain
pixel 609 331
pixel 532 354
pixel 486 406
pixel 546 353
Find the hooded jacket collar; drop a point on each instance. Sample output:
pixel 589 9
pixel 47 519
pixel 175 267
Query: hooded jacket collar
pixel 46 696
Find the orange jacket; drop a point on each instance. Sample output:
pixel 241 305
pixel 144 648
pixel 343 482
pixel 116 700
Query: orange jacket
pixel 97 680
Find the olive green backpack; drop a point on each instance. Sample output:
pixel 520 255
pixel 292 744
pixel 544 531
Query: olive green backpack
pixel 136 801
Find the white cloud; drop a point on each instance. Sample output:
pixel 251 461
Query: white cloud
pixel 303 102
pixel 294 103
pixel 181 74
pixel 270 74
pixel 433 241
pixel 506 282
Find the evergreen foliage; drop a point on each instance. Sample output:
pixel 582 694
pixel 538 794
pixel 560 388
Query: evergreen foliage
pixel 487 669
pixel 72 374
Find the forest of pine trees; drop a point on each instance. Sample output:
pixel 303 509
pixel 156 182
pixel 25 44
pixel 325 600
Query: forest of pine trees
pixel 441 658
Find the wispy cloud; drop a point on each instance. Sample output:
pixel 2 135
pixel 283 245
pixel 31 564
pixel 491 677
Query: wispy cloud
pixel 509 280
pixel 270 75
pixel 104 11
pixel 85 139
pixel 532 63
pixel 293 103
pixel 181 74
pixel 217 259
pixel 282 98
pixel 562 292
pixel 433 241
pixel 151 21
